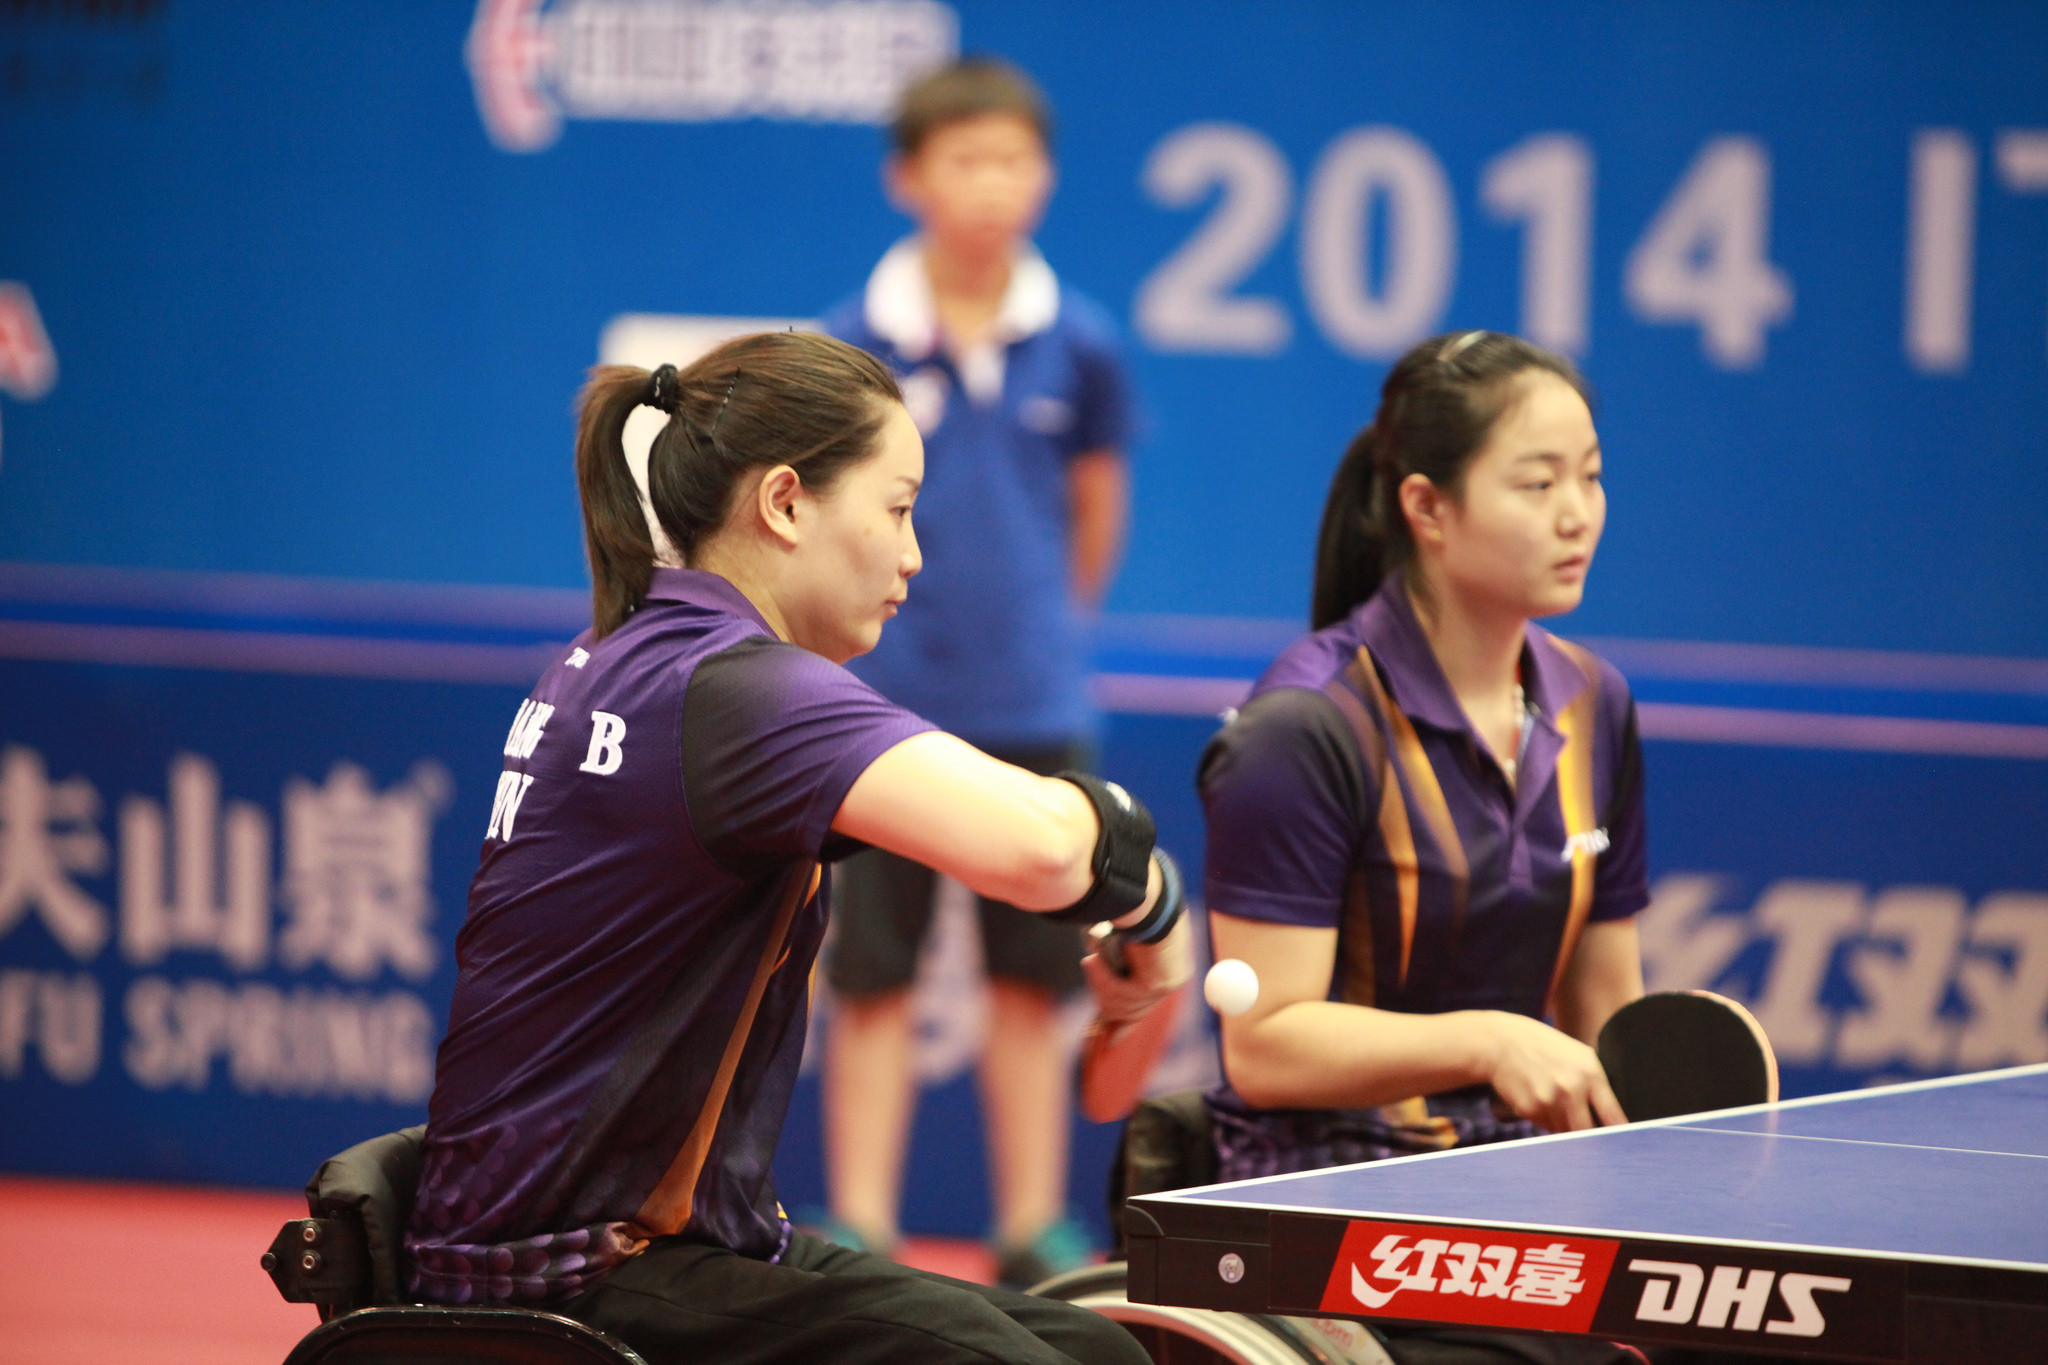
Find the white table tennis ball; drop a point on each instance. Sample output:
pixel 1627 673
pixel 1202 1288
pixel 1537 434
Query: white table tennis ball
pixel 1231 987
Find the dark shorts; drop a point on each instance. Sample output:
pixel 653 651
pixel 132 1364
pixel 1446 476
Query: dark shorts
pixel 678 1303
pixel 882 908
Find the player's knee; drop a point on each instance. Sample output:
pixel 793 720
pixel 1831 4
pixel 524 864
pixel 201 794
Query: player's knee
pixel 1091 1338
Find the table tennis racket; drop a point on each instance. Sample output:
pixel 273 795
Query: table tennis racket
pixel 1117 1058
pixel 1686 1052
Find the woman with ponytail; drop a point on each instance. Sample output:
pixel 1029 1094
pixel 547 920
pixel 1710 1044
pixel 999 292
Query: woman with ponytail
pixel 1426 825
pixel 634 967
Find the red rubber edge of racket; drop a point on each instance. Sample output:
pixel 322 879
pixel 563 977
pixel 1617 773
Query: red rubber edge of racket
pixel 1117 1059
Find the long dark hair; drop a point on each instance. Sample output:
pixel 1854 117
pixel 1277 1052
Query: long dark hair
pixel 1436 408
pixel 796 398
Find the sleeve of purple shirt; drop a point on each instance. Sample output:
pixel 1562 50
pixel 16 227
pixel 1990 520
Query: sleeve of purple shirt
pixel 1621 879
pixel 773 737
pixel 1283 789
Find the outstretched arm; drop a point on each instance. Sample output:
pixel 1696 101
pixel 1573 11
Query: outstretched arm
pixel 1007 833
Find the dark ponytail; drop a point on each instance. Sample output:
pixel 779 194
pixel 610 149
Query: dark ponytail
pixel 615 535
pixel 1437 406
pixel 1350 550
pixel 778 398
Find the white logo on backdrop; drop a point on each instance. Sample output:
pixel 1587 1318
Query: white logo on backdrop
pixel 1906 980
pixel 195 878
pixel 228 914
pixel 696 61
pixel 49 831
pixel 358 874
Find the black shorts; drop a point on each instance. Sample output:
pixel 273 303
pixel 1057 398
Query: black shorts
pixel 882 909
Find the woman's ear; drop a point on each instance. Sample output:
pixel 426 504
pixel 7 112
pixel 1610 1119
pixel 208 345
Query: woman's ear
pixel 775 503
pixel 1424 504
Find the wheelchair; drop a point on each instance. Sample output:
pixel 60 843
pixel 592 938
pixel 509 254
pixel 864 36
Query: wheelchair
pixel 347 1260
pixel 1166 1145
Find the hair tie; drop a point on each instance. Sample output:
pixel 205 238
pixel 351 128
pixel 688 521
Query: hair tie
pixel 661 389
pixel 1456 346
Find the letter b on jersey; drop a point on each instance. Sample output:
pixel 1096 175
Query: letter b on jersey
pixel 607 744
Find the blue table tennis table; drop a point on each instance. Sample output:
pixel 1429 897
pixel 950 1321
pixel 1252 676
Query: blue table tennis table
pixel 1905 1223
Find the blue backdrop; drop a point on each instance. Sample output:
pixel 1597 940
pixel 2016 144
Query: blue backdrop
pixel 295 298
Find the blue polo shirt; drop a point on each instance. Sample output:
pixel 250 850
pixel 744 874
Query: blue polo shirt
pixel 1351 792
pixel 990 645
pixel 633 971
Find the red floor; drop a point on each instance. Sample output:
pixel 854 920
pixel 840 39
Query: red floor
pixel 94 1273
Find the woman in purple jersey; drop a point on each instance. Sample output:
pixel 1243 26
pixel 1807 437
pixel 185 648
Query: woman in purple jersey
pixel 635 962
pixel 1425 825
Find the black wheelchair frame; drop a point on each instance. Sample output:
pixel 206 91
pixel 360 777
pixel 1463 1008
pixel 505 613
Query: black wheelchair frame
pixel 346 1259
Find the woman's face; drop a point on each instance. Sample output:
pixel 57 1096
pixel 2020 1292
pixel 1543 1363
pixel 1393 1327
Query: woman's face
pixel 1521 538
pixel 858 551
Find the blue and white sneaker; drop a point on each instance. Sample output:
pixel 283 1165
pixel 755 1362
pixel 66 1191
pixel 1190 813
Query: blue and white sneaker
pixel 1063 1246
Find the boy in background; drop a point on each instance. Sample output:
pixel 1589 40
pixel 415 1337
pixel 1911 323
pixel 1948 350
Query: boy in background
pixel 1017 385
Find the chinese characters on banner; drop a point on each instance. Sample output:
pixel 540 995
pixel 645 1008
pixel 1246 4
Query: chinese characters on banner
pixel 210 923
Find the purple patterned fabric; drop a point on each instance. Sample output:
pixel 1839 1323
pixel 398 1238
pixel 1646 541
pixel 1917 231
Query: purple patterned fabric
pixel 1254 1142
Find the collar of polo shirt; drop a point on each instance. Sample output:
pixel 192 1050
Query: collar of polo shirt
pixel 900 308
pixel 1387 624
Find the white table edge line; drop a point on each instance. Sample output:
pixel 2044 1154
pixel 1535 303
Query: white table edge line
pixel 1903 1087
pixel 1569 1230
pixel 1677 1121
pixel 1857 1142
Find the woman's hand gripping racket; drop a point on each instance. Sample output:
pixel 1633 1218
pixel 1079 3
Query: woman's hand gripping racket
pixel 1686 1052
pixel 1138 989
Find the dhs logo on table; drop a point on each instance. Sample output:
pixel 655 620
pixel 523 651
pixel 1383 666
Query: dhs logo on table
pixel 1547 1281
pixel 1693 1294
pixel 1734 1297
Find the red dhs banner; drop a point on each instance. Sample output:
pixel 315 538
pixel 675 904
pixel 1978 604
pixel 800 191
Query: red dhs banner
pixel 1483 1276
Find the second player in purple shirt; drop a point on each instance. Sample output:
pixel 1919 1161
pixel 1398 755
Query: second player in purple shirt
pixel 1426 824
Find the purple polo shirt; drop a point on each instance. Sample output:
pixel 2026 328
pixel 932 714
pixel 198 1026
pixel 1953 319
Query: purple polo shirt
pixel 634 967
pixel 1351 792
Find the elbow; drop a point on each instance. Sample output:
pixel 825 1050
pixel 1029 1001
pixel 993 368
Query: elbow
pixel 1250 1074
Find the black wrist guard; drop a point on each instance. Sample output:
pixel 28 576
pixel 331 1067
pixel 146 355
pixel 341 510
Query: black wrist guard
pixel 1123 853
pixel 1165 912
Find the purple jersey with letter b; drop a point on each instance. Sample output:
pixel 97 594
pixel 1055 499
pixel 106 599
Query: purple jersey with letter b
pixel 634 967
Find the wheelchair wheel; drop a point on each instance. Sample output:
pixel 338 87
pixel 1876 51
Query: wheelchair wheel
pixel 1202 1336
